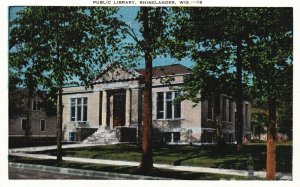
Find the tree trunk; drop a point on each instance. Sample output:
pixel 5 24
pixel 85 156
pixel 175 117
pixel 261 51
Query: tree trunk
pixel 239 97
pixel 60 105
pixel 219 131
pixel 147 160
pixel 59 127
pixel 271 145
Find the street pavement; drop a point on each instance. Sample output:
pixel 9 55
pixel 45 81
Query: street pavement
pixel 20 173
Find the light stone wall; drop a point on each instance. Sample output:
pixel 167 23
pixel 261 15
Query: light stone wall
pixel 136 106
pixel 172 80
pixel 190 116
pixel 92 114
pixel 193 118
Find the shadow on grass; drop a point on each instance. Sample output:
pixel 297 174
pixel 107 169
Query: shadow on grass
pixel 223 156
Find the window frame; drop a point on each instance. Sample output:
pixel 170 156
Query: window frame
pixel 230 111
pixel 24 124
pixel 166 101
pixel 246 114
pixel 44 125
pixel 83 109
pixel 37 104
pixel 210 109
pixel 224 109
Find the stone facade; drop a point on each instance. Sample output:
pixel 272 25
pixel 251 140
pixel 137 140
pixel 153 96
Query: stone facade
pixel 116 101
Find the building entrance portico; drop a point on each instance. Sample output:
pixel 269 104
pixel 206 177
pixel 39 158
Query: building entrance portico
pixel 115 108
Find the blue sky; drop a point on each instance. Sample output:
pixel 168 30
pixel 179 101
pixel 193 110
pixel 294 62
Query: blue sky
pixel 128 14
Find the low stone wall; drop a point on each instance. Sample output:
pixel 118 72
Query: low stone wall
pixel 127 134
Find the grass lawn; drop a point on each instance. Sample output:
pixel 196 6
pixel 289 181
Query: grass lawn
pixel 207 156
pixel 130 170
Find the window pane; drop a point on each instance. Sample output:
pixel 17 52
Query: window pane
pixel 85 100
pixel 73 102
pixel 209 109
pixel 230 111
pixel 34 105
pixel 169 95
pixel 79 101
pixel 160 105
pixel 160 96
pixel 169 109
pixel 42 105
pixel 177 110
pixel 224 109
pixel 38 105
pixel 72 113
pixel 78 113
pixel 84 113
pixel 177 106
pixel 23 125
pixel 42 125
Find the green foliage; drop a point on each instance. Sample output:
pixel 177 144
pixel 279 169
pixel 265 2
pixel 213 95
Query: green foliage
pixel 62 43
pixel 259 123
pixel 210 37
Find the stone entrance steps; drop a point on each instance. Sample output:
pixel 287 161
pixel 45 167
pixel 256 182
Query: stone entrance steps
pixel 102 136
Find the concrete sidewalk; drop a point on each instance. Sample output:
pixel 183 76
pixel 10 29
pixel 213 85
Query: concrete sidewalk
pixel 22 152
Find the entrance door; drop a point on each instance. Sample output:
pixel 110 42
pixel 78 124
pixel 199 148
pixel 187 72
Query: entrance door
pixel 119 109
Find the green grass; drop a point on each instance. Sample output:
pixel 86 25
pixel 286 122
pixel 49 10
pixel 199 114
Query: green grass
pixel 130 170
pixel 207 156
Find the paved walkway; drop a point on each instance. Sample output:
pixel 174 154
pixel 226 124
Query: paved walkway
pixel 24 152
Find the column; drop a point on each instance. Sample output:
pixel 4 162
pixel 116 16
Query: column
pixel 128 108
pixel 136 106
pixel 104 109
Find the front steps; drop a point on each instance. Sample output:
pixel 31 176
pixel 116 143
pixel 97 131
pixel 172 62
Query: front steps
pixel 102 136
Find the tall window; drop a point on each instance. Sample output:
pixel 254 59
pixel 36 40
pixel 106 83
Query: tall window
pixel 79 109
pixel 167 108
pixel 23 124
pixel 177 107
pixel 230 111
pixel 43 124
pixel 37 105
pixel 169 104
pixel 160 105
pixel 210 109
pixel 246 114
pixel 224 108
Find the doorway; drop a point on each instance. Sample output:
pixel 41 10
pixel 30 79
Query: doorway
pixel 119 109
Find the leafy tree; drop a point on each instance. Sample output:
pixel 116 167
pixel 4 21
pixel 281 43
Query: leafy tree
pixel 153 32
pixel 25 74
pixel 272 76
pixel 216 39
pixel 251 45
pixel 259 121
pixel 151 41
pixel 63 43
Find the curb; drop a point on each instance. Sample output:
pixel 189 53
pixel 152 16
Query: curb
pixel 86 173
